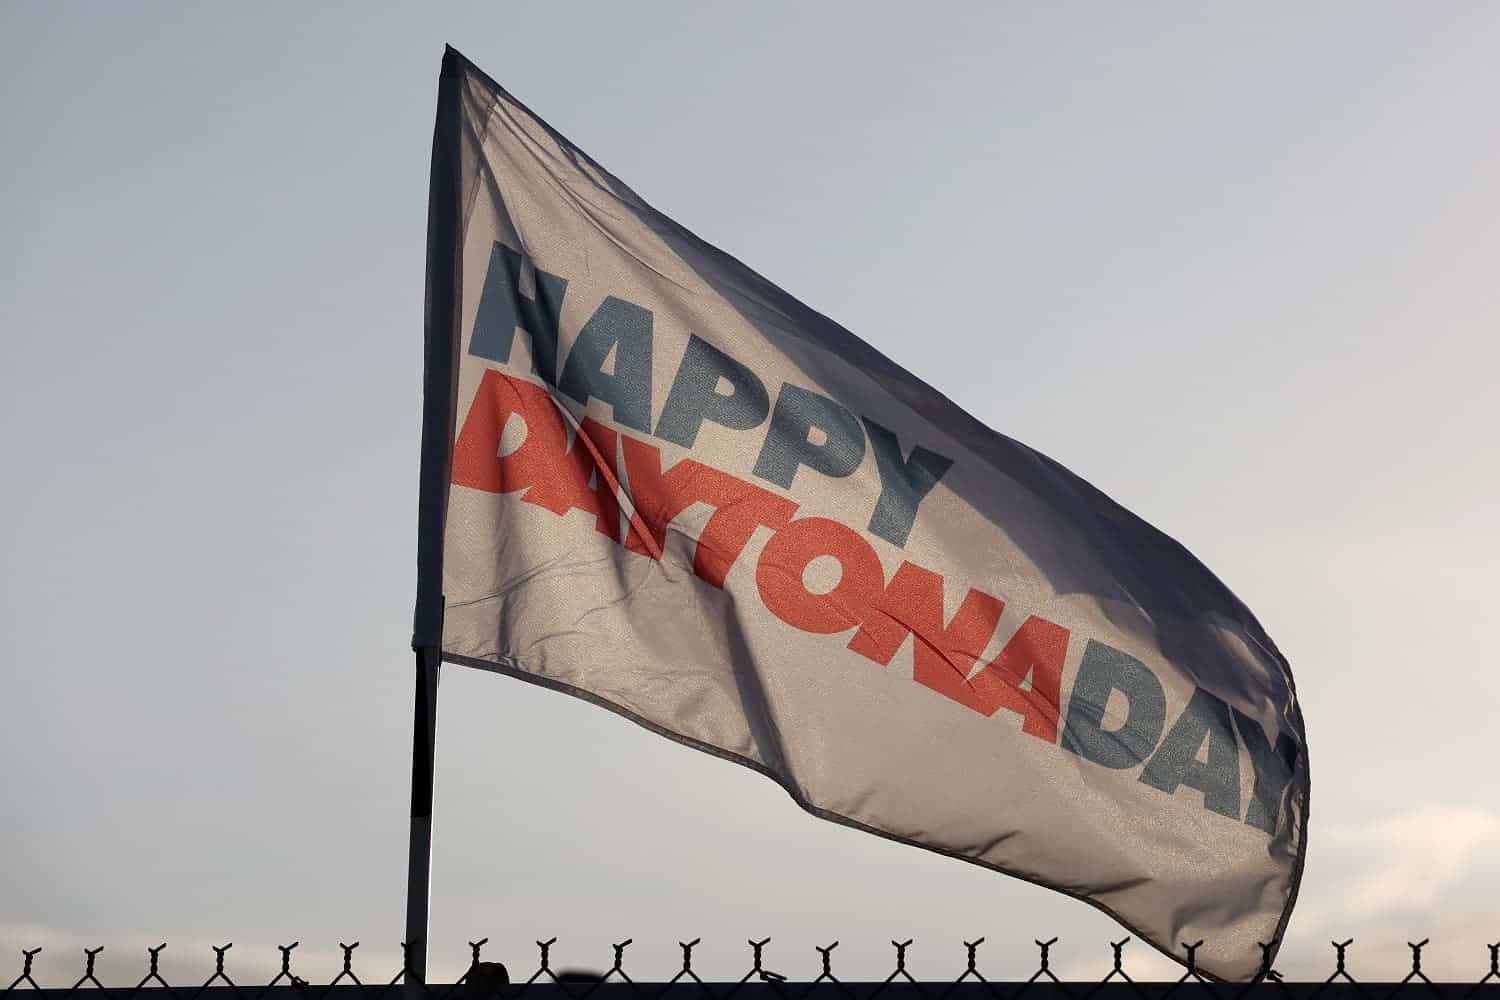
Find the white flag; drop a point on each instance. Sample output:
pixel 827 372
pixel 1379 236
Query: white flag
pixel 654 480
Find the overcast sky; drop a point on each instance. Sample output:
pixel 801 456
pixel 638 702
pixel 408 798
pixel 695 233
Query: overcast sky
pixel 1239 267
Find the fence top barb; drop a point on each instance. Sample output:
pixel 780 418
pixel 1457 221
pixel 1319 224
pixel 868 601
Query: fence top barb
pixel 580 983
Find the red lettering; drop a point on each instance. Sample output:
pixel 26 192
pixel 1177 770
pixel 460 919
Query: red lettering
pixel 476 454
pixel 943 656
pixel 785 559
pixel 584 479
pixel 913 605
pixel 555 475
pixel 1038 648
pixel 739 508
pixel 562 475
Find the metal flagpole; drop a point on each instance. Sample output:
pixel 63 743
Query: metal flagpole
pixel 444 247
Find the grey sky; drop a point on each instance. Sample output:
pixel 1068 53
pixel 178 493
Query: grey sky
pixel 1237 267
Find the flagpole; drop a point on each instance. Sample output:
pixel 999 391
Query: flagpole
pixel 419 860
pixel 439 368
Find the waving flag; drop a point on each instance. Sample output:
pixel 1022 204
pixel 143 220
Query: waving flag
pixel 654 480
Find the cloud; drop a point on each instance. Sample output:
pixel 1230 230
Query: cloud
pixel 1413 859
pixel 1431 872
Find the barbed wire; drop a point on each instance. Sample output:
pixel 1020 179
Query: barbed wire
pixel 485 980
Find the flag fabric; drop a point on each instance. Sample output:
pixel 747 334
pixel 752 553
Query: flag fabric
pixel 655 481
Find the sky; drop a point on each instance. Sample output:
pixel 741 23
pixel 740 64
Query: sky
pixel 1234 265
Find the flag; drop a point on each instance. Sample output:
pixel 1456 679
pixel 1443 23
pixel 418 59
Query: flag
pixel 655 481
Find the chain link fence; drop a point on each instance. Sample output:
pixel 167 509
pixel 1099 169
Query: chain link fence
pixel 487 980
